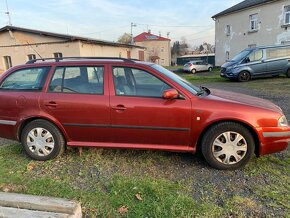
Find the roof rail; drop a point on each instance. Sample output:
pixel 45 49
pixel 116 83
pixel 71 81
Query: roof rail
pixel 75 58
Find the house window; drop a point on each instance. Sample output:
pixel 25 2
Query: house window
pixel 57 55
pixel 287 14
pixel 162 49
pixel 227 55
pixel 31 57
pixel 252 46
pixel 253 22
pixel 228 30
pixel 7 62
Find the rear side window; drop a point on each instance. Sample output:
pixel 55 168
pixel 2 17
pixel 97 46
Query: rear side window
pixel 29 79
pixel 273 53
pixel 82 79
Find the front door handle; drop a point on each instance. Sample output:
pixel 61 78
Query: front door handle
pixel 119 107
pixel 51 104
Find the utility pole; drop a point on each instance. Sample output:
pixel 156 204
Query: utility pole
pixel 132 25
pixel 8 14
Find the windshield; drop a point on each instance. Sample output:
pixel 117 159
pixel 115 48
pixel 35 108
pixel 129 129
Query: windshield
pixel 184 83
pixel 241 56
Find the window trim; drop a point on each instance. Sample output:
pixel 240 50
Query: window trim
pixel 7 62
pixel 287 7
pixel 255 21
pixel 63 75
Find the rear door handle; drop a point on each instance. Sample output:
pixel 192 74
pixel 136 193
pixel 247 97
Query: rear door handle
pixel 119 107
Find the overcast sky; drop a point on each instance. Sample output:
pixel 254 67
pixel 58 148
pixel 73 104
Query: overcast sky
pixel 109 19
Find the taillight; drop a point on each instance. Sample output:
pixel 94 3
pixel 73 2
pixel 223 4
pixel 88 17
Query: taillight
pixel 190 65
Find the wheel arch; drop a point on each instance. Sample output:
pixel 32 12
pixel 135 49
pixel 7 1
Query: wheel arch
pixel 27 120
pixel 247 126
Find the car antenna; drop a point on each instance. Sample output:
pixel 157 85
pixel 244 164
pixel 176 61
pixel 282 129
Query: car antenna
pixel 34 49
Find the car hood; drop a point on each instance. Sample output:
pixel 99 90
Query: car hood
pixel 229 64
pixel 244 99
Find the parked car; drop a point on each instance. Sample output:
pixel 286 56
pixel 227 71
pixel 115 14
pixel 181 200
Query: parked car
pixel 195 66
pixel 258 62
pixel 120 103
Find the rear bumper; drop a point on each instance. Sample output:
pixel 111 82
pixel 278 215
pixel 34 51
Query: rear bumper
pixel 273 139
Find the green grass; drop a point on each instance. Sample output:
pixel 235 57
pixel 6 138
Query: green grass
pixel 106 180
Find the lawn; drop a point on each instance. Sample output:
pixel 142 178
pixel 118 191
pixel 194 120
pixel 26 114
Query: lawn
pixel 126 183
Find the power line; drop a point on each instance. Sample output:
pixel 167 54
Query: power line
pixel 204 31
pixel 170 25
pixel 106 30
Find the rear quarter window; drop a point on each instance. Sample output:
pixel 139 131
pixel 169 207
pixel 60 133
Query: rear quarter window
pixel 29 79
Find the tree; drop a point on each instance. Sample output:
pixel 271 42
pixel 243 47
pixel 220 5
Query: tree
pixel 125 38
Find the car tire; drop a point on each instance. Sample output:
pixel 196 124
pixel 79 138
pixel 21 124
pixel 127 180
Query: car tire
pixel 288 73
pixel 210 69
pixel 193 71
pixel 42 140
pixel 244 76
pixel 227 146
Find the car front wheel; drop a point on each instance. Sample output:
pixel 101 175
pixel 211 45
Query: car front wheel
pixel 227 146
pixel 288 73
pixel 244 76
pixel 193 71
pixel 42 140
pixel 210 69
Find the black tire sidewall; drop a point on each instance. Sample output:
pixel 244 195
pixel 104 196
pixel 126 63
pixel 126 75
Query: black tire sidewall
pixel 193 71
pixel 288 73
pixel 214 132
pixel 57 136
pixel 210 69
pixel 241 80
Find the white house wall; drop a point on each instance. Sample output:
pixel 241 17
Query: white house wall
pixel 270 30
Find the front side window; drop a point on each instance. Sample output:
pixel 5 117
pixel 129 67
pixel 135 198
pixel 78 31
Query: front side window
pixel 253 22
pixel 30 79
pixel 136 82
pixel 287 14
pixel 82 79
pixel 255 56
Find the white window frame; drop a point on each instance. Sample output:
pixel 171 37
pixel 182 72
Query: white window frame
pixel 7 62
pixel 253 22
pixel 31 57
pixel 287 14
pixel 228 30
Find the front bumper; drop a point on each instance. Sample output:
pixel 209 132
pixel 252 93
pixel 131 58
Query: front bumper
pixel 273 139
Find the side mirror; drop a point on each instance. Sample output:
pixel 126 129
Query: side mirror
pixel 170 94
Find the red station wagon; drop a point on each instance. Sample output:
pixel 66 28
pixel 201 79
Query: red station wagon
pixel 121 103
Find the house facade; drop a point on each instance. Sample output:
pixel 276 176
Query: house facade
pixel 251 23
pixel 158 48
pixel 18 45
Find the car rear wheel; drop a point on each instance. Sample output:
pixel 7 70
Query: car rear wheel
pixel 193 71
pixel 210 69
pixel 227 146
pixel 42 140
pixel 244 76
pixel 288 73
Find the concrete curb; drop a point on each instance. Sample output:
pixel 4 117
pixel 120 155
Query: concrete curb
pixel 24 206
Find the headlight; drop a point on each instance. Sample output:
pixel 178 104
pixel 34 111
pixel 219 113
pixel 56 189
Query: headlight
pixel 282 122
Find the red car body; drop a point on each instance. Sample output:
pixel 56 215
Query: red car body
pixel 109 120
